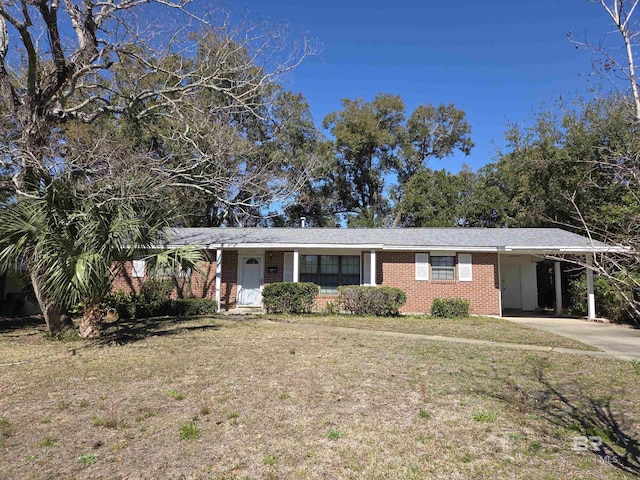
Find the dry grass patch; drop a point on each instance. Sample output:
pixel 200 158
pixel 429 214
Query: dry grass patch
pixel 274 401
pixel 479 328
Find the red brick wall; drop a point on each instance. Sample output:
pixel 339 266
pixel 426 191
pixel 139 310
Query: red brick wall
pixel 397 269
pixel 229 278
pixel 200 284
pixel 125 282
pixel 274 260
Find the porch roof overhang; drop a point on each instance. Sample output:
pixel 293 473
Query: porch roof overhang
pixel 535 241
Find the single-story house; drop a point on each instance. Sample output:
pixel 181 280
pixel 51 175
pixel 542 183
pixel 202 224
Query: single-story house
pixel 494 269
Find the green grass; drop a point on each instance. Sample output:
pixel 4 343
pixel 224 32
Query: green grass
pixel 475 327
pixel 484 417
pixel 190 431
pixel 424 414
pixel 87 459
pixel 175 394
pixel 359 405
pixel 49 442
pixel 270 460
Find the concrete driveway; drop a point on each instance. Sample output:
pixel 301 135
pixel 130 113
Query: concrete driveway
pixel 618 340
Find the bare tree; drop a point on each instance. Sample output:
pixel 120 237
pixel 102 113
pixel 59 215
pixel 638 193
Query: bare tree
pixel 91 90
pixel 624 16
pixel 620 162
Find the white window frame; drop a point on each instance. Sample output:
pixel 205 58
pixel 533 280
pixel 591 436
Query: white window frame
pixel 443 268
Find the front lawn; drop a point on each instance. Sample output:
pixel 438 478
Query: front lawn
pixel 479 328
pixel 244 399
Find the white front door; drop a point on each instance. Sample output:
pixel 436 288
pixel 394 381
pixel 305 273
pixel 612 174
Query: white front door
pixel 250 281
pixel 511 287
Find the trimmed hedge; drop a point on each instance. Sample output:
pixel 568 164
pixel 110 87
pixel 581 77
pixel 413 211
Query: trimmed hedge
pixel 288 297
pixel 365 300
pixel 450 308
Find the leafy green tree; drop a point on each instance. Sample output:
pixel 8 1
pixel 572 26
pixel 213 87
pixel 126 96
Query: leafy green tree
pixel 577 168
pixel 377 151
pixel 433 198
pixel 557 172
pixel 433 132
pixel 367 137
pixel 437 198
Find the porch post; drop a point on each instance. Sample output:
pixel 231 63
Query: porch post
pixel 591 298
pixel 219 278
pixel 558 281
pixel 296 266
pixel 373 267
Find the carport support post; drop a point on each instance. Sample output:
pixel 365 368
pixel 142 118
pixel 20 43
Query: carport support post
pixel 591 297
pixel 219 278
pixel 558 282
pixel 296 266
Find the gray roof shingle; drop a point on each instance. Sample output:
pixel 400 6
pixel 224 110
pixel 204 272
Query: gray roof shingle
pixel 402 238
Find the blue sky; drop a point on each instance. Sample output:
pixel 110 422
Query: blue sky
pixel 496 60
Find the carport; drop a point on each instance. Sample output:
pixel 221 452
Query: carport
pixel 518 273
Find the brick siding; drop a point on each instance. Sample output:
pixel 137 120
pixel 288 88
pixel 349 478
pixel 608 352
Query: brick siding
pixel 395 269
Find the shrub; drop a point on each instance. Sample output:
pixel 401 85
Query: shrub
pixel 450 308
pixel 287 297
pixel 156 297
pixel 154 300
pixel 187 307
pixel 610 303
pixel 365 300
pixel 124 305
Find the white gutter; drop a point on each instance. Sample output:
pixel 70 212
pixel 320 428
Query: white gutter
pixel 282 246
pixel 433 248
pixel 439 248
pixel 576 250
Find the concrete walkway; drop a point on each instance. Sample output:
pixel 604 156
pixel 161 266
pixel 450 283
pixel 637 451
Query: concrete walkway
pixel 619 341
pixel 440 338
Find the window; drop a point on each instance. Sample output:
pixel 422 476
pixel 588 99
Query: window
pixel 163 271
pixel 443 268
pixel 330 271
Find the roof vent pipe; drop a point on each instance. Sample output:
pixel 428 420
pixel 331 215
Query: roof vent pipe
pixel 303 222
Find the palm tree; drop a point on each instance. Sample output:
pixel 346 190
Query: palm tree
pixel 72 242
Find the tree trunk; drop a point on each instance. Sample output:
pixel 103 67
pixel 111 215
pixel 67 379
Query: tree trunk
pixel 52 314
pixel 91 322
